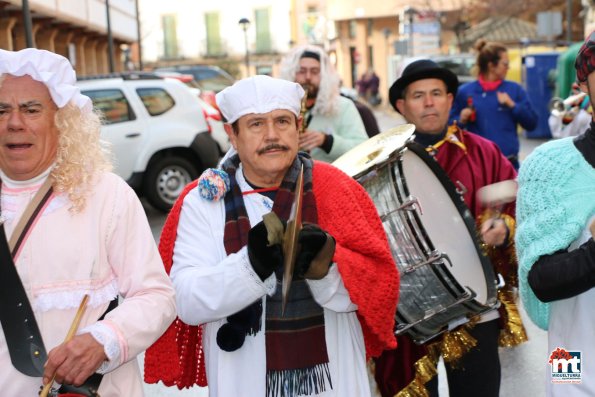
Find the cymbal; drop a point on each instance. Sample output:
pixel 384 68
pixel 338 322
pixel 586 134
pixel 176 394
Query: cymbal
pixel 374 151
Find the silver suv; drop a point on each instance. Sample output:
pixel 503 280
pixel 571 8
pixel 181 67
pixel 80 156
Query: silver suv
pixel 157 130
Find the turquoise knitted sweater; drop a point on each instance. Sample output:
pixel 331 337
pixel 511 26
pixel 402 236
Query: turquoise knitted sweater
pixel 555 201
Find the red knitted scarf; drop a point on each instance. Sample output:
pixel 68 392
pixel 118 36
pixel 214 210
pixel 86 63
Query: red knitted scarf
pixel 362 255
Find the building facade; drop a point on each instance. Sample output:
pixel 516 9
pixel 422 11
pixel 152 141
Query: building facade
pixel 379 35
pixel 190 31
pixel 76 29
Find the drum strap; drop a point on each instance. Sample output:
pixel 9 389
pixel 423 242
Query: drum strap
pixel 449 137
pixel 25 345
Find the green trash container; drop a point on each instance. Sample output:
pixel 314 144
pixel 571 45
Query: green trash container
pixel 566 74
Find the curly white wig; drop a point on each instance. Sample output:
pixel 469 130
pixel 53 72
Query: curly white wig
pixel 328 92
pixel 81 155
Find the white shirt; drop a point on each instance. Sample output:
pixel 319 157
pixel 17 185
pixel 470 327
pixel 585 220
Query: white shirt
pixel 210 285
pixel 571 328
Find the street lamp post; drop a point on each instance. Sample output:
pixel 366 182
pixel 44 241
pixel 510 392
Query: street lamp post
pixel 410 13
pixel 110 38
pixel 386 32
pixel 245 23
pixel 27 24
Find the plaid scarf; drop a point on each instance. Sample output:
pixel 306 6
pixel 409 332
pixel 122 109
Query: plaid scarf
pixel 296 355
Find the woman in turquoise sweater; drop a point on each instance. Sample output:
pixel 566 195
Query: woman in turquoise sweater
pixel 556 247
pixel 492 106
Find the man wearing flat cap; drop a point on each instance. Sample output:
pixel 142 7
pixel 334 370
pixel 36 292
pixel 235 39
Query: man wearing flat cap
pixel 227 273
pixel 423 95
pixel 75 230
pixel 332 123
pixel 556 247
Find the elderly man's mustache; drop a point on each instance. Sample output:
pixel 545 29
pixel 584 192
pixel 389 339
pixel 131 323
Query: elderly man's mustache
pixel 272 147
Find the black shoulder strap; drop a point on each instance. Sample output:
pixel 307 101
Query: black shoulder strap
pixel 23 338
pixel 25 345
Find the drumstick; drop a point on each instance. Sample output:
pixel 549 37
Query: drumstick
pixel 71 332
pixel 498 194
pixel 495 196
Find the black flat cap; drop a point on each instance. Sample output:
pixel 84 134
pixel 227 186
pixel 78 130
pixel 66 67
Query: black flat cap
pixel 418 70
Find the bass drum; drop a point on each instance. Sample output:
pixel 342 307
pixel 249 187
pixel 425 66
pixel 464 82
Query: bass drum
pixel 445 277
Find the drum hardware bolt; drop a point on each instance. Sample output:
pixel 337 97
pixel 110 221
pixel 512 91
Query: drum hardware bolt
pixel 435 256
pixel 461 189
pixel 410 204
pixel 501 283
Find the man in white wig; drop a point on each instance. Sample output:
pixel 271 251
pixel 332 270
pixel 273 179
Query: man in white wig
pixel 227 274
pixel 75 230
pixel 332 124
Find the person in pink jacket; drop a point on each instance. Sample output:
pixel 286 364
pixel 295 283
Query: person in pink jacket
pixel 89 237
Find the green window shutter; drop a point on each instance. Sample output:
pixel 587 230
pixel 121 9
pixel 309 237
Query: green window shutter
pixel 170 36
pixel 263 30
pixel 213 34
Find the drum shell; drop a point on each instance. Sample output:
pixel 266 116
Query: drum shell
pixel 435 296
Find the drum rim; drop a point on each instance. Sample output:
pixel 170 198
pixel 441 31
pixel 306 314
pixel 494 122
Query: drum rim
pixel 416 331
pixel 461 206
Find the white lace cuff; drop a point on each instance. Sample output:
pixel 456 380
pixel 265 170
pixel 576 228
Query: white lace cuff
pixel 108 338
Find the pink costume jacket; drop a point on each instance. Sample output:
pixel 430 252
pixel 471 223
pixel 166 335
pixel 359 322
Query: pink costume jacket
pixel 104 251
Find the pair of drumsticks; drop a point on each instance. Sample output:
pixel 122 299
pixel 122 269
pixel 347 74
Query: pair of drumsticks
pixel 71 332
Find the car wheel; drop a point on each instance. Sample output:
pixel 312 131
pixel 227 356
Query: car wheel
pixel 165 179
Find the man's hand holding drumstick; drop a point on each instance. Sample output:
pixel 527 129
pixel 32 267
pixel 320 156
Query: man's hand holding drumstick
pixel 76 359
pixel 494 230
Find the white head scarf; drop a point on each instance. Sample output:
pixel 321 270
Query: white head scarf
pixel 49 68
pixel 327 103
pixel 259 94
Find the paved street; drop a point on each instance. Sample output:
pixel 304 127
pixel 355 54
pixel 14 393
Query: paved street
pixel 523 368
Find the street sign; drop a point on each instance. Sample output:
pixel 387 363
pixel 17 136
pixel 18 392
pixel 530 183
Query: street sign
pixel 549 24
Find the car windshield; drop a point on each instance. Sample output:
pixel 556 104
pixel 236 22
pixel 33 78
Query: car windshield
pixel 211 80
pixel 208 78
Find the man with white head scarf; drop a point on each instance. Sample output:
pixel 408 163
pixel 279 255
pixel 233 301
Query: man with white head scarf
pixel 332 124
pixel 228 277
pixel 86 235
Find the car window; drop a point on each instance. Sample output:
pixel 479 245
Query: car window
pixel 211 79
pixel 208 78
pixel 214 83
pixel 113 104
pixel 156 100
pixel 459 65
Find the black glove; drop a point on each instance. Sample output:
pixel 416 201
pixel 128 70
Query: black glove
pixel 264 258
pixel 316 253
